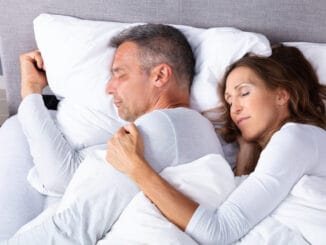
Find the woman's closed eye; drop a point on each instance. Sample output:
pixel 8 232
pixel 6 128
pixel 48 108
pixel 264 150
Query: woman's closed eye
pixel 245 93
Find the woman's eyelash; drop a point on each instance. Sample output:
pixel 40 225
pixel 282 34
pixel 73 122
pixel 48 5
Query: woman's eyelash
pixel 242 94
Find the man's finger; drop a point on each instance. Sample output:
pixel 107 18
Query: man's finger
pixel 39 61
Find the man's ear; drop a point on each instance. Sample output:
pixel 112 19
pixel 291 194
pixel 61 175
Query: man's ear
pixel 282 96
pixel 161 74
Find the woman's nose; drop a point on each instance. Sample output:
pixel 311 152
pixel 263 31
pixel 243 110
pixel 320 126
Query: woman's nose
pixel 236 107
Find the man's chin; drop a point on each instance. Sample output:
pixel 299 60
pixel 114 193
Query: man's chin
pixel 125 117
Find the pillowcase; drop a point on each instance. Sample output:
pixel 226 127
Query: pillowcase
pixel 315 53
pixel 215 49
pixel 77 56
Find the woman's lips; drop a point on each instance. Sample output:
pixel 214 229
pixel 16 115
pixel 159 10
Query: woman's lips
pixel 240 120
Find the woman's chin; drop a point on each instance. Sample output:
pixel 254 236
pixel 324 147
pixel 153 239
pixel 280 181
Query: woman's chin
pixel 249 137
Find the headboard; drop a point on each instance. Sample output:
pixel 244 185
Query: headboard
pixel 279 20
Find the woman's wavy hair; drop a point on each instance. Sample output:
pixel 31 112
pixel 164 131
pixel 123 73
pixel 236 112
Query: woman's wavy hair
pixel 286 68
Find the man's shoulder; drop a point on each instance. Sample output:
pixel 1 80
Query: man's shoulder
pixel 179 112
pixel 175 118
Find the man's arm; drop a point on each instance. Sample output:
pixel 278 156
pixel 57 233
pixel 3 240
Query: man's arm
pixel 54 158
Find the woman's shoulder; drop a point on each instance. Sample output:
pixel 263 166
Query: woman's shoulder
pixel 304 133
pixel 297 146
pixel 300 128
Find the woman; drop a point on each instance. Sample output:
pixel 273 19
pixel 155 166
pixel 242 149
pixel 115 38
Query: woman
pixel 275 103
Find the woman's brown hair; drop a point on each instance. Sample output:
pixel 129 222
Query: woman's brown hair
pixel 286 68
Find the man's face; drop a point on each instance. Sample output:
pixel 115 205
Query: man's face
pixel 130 85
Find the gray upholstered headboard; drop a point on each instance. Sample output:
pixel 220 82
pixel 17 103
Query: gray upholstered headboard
pixel 279 20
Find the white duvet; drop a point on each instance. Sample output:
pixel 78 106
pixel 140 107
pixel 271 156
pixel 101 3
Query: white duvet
pixel 299 219
pixel 208 180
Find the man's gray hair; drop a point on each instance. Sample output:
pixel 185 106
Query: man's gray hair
pixel 159 44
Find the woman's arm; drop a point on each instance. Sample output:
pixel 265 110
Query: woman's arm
pixel 279 168
pixel 125 153
pixel 177 207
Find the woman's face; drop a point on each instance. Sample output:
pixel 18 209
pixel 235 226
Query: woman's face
pixel 256 110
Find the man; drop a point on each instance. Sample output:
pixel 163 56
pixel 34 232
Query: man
pixel 151 76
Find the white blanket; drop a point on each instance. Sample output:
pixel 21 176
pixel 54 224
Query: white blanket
pixel 208 180
pixel 300 219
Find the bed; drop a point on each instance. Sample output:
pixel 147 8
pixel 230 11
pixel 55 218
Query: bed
pixel 278 21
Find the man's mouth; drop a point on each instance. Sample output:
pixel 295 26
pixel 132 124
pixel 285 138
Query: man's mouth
pixel 117 103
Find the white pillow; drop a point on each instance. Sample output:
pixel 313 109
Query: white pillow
pixel 215 49
pixel 77 56
pixel 315 53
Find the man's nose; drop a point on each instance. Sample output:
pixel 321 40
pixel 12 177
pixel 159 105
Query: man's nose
pixel 110 86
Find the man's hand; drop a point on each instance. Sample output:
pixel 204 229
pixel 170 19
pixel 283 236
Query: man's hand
pixel 33 78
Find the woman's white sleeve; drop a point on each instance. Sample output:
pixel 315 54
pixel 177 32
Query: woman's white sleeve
pixel 287 157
